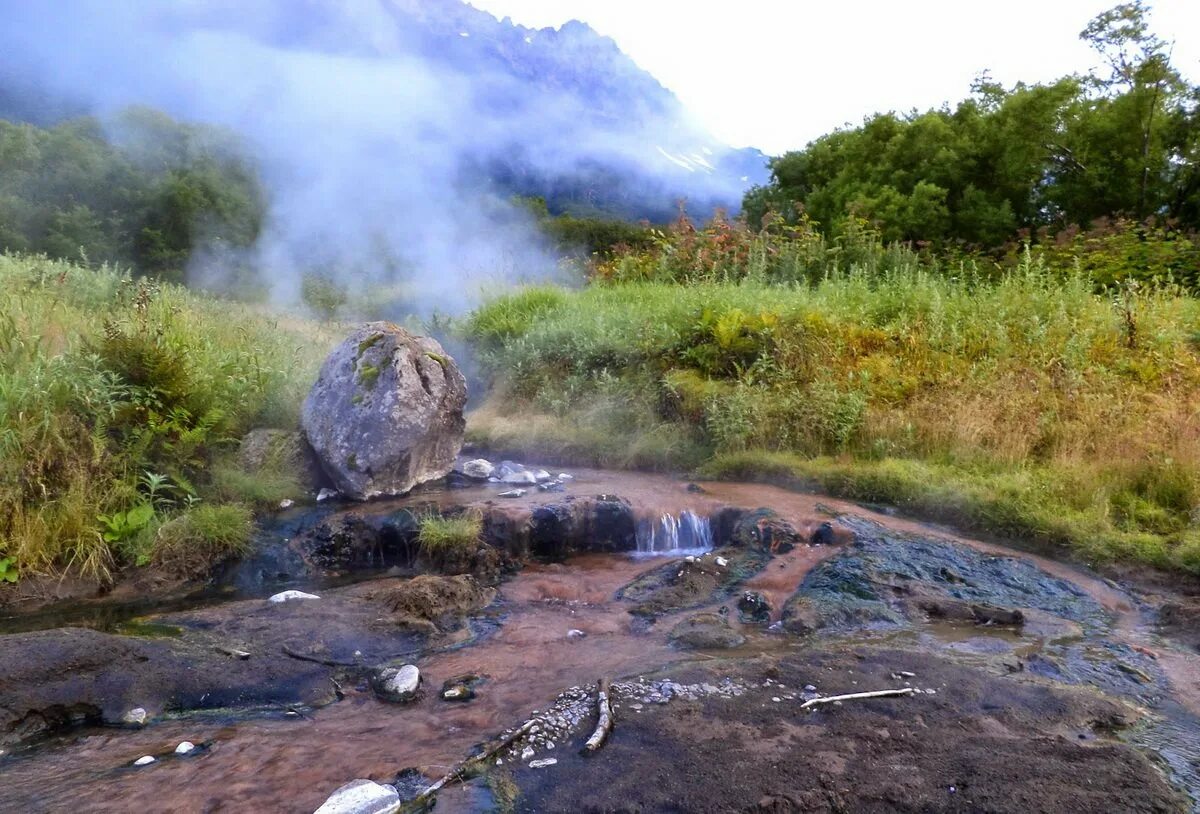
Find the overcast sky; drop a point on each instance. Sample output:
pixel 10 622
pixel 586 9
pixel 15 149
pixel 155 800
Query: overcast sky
pixel 776 73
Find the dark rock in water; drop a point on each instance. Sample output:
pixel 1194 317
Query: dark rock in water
pixel 285 451
pixel 461 688
pixel 54 679
pixel 824 535
pixel 753 607
pixel 397 684
pixel 706 631
pixel 386 412
pixel 558 530
pixel 885 578
pixel 691 583
pixel 760 528
pixel 696 488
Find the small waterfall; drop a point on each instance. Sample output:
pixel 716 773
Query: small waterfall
pixel 684 533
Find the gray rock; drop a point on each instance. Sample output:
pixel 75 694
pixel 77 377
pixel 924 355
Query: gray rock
pixel 396 684
pixel 522 476
pixel 327 494
pixel 144 760
pixel 512 493
pixel 361 797
pixel 478 469
pixel 184 748
pixel 386 412
pixel 544 762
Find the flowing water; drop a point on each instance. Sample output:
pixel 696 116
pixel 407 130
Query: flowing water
pixel 280 761
pixel 674 534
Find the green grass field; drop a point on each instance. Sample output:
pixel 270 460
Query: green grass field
pixel 1028 404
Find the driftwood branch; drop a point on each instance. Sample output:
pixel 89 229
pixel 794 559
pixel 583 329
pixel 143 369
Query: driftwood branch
pixel 605 722
pixel 856 695
pixel 287 651
pixel 426 798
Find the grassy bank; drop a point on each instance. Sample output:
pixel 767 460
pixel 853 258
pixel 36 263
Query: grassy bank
pixel 1026 402
pixel 121 402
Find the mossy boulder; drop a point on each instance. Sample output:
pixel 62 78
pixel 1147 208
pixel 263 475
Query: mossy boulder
pixel 386 412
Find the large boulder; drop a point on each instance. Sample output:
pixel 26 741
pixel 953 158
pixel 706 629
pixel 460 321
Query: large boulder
pixel 386 412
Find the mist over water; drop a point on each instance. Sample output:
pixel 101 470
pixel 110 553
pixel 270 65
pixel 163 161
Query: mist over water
pixel 365 118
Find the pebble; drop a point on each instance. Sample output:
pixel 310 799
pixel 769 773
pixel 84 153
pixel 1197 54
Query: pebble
pixel 722 562
pixel 527 753
pixel 288 596
pixel 286 503
pixel 326 494
pixel 538 764
pixel 512 493
pixel 144 760
pixel 565 476
pixel 575 633
pixel 809 688
pixel 184 747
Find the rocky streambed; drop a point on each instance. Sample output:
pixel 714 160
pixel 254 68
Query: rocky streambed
pixel 1026 684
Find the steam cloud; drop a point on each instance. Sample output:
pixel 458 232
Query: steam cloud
pixel 362 115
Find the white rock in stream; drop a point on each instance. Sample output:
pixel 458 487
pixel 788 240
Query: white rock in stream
pixel 135 717
pixel 144 760
pixel 361 797
pixel 288 596
pixel 397 685
pixel 479 469
pixel 575 633
pixel 184 747
pixel 538 764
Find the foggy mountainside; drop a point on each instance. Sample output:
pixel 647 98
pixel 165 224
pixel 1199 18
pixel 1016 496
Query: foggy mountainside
pixel 388 133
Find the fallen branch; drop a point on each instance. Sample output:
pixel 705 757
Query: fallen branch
pixel 605 723
pixel 856 695
pixel 426 798
pixel 287 651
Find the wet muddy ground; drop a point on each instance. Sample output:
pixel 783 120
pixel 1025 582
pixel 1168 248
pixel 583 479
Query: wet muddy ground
pixel 1088 704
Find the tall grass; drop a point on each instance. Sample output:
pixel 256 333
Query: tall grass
pixel 104 379
pixel 1038 404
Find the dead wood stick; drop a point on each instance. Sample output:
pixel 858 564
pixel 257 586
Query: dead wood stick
pixel 856 695
pixel 423 799
pixel 605 722
pixel 287 651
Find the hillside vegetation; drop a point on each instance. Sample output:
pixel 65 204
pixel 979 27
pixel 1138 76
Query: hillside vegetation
pixel 1023 401
pixel 121 404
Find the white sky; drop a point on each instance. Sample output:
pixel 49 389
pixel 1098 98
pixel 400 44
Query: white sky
pixel 776 73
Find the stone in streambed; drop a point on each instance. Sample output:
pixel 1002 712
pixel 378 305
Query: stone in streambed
pixel 386 412
pixel 478 469
pixel 135 717
pixel 397 685
pixel 290 596
pixel 361 797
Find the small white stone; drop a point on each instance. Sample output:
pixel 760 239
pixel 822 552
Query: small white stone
pixel 541 475
pixel 184 747
pixel 538 764
pixel 722 562
pixel 286 503
pixel 135 717
pixel 326 494
pixel 527 753
pixel 575 633
pixel 565 476
pixel 689 558
pixel 288 596
pixel 144 760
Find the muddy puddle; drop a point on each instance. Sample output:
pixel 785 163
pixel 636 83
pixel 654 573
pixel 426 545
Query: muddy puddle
pixel 559 625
